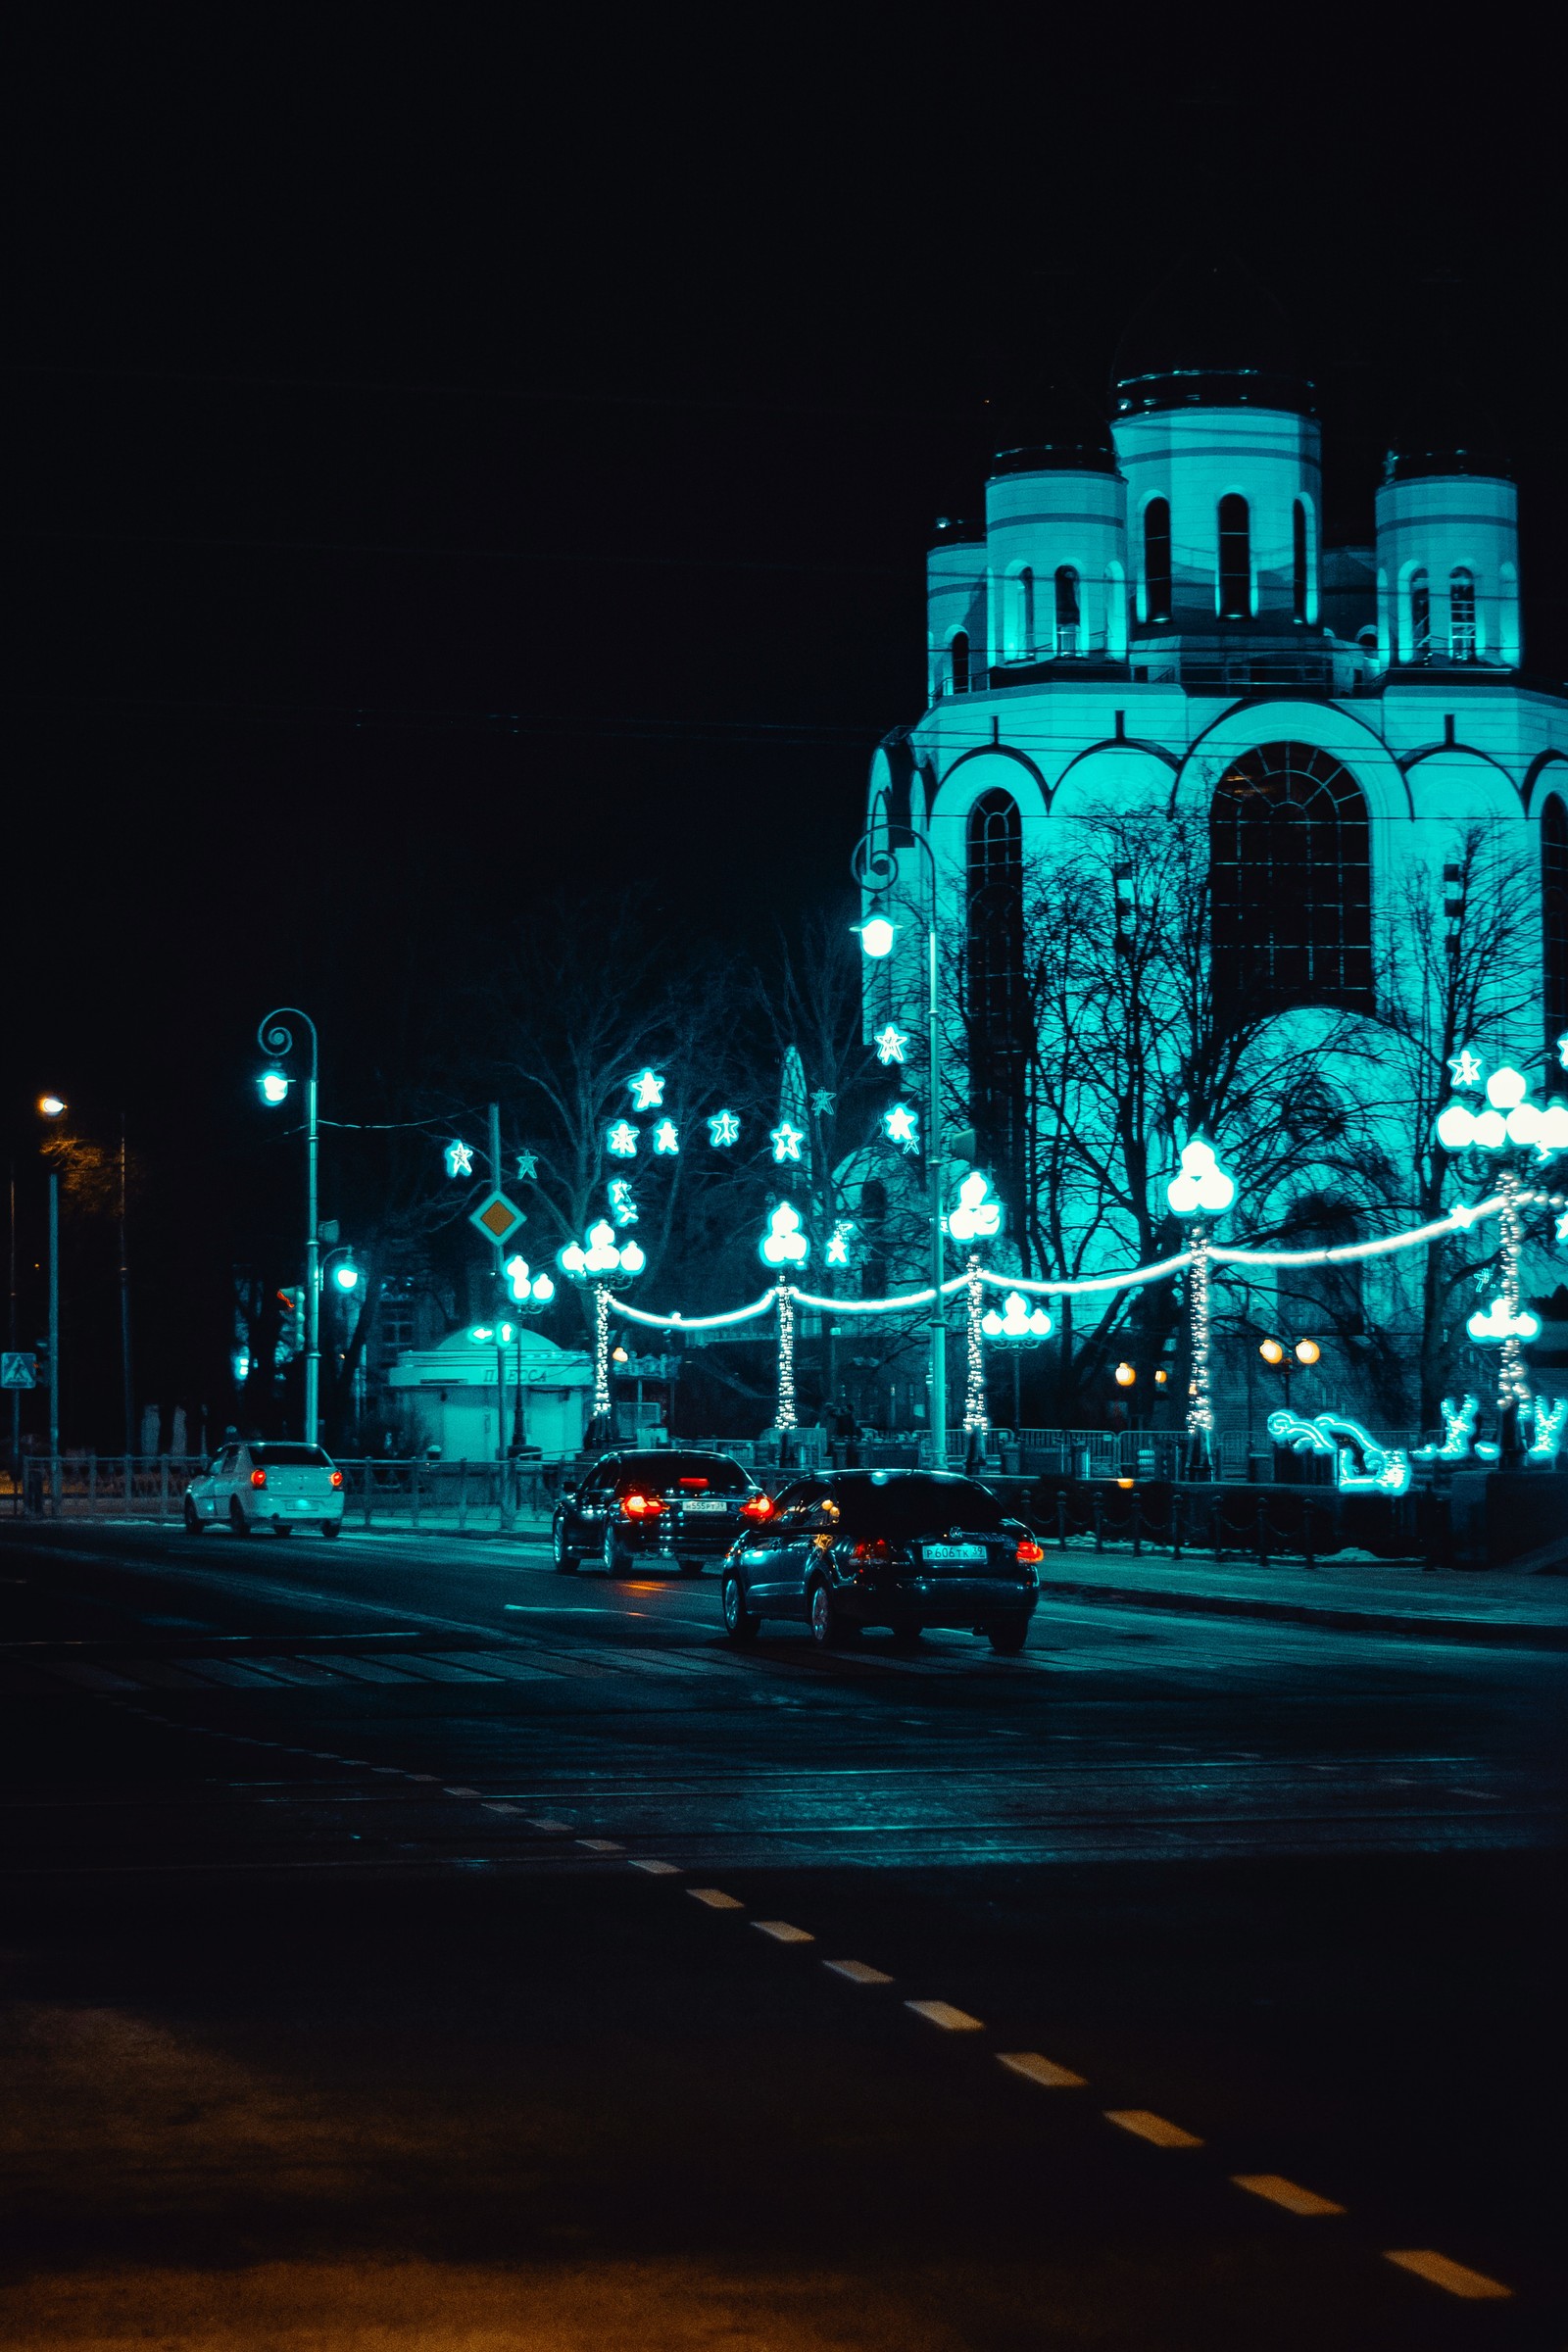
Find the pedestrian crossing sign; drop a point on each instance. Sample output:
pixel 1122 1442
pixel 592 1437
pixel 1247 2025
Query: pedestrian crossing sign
pixel 17 1371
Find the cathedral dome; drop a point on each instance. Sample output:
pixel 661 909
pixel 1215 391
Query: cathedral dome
pixel 1050 428
pixel 1210 336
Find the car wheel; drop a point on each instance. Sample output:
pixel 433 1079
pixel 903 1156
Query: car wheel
pixel 739 1622
pixel 282 1527
pixel 1007 1636
pixel 193 1519
pixel 691 1567
pixel 329 1529
pixel 905 1637
pixel 239 1525
pixel 618 1558
pixel 566 1557
pixel 827 1626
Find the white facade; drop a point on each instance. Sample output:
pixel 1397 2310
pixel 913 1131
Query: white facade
pixel 1149 622
pixel 452 1393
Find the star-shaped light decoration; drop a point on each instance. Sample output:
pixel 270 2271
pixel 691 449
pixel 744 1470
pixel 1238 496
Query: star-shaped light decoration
pixel 528 1166
pixel 622 1205
pixel 1562 1226
pixel 1562 1049
pixel 647 1090
pixel 724 1129
pixel 667 1138
pixel 889 1044
pixel 901 1126
pixel 458 1157
pixel 1466 1068
pixel 822 1102
pixel 837 1253
pixel 621 1140
pixel 786 1141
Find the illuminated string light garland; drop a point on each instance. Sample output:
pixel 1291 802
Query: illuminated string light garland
pixel 784 1418
pixel 974 1392
pixel 1199 1406
pixel 601 1350
pixel 1513 1386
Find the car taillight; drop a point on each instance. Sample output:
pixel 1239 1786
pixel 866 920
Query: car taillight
pixel 877 1550
pixel 337 1478
pixel 258 1478
pixel 758 1506
pixel 694 1482
pixel 1030 1553
pixel 642 1507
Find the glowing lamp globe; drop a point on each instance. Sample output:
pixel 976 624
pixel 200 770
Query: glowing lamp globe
pixel 273 1087
pixel 1307 1352
pixel 51 1107
pixel 877 936
pixel 1125 1376
pixel 1271 1351
pixel 347 1278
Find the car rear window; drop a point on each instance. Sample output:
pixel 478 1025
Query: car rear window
pixel 291 1457
pixel 905 1504
pixel 694 1473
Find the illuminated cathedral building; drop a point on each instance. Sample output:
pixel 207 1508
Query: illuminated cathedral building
pixel 1146 639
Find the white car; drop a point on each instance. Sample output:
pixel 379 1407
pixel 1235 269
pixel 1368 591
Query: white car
pixel 274 1485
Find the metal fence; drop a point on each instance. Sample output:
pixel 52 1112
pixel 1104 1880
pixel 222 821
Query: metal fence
pixel 454 1496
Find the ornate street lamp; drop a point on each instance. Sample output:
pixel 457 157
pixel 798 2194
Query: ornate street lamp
pixel 601 1260
pixel 275 1037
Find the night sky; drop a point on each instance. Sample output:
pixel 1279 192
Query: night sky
pixel 448 470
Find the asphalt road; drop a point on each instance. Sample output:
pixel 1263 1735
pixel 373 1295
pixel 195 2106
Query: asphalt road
pixel 407 1946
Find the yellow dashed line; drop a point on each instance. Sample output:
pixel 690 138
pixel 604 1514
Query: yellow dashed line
pixel 858 1972
pixel 1289 2193
pixel 714 1900
pixel 1152 2128
pixel 781 1930
pixel 1452 2276
pixel 944 2014
pixel 1044 2071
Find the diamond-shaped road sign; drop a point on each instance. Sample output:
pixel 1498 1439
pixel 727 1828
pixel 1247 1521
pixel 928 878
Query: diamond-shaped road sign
pixel 18 1371
pixel 497 1219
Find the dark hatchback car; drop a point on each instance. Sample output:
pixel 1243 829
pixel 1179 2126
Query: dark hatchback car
pixel 905 1548
pixel 635 1510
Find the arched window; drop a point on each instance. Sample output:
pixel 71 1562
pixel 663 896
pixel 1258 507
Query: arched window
pixel 1067 610
pixel 1156 560
pixel 1420 617
pixel 1235 559
pixel 1299 560
pixel 994 996
pixel 1026 614
pixel 1554 929
pixel 1291 880
pixel 960 663
pixel 1463 616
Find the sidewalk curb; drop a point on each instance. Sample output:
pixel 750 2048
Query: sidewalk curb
pixel 1475 1631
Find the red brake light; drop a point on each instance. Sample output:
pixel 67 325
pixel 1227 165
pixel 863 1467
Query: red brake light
pixel 337 1478
pixel 641 1506
pixel 694 1482
pixel 880 1549
pixel 258 1478
pixel 758 1507
pixel 1030 1553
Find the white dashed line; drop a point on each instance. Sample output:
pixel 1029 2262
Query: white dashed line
pixel 602 1845
pixel 659 1869
pixel 1452 2276
pixel 552 1828
pixel 714 1900
pixel 1152 2128
pixel 782 1932
pixel 461 1791
pixel 858 1972
pixel 944 2014
pixel 1288 2193
pixel 1044 2071
pixel 492 1808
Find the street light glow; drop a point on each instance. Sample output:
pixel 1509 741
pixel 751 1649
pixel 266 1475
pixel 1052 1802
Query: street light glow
pixel 273 1086
pixel 1271 1351
pixel 346 1276
pixel 1307 1352
pixel 877 936
pixel 51 1107
pixel 1125 1376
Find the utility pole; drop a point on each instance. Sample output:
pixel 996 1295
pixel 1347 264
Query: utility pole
pixel 501 1352
pixel 16 1394
pixel 54 1336
pixel 125 1300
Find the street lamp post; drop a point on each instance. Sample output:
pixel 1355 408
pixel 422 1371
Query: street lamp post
pixel 50 1107
pixel 875 867
pixel 276 1038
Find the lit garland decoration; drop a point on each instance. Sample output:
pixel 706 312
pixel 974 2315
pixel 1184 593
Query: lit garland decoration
pixel 1200 1408
pixel 596 1261
pixel 889 1044
pixel 1458 1434
pixel 1549 1417
pixel 901 1126
pixel 724 1129
pixel 975 1390
pixel 1510 1118
pixel 458 1157
pixel 784 1418
pixel 1507 1319
pixel 648 1090
pixel 1383 1470
pixel 601 1350
pixel 667 1138
pixel 621 1140
pixel 786 1142
pixel 837 1253
pixel 623 1201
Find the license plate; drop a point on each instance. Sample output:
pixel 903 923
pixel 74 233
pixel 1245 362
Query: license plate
pixel 952 1552
pixel 705 1506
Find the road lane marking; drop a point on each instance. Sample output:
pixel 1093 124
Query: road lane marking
pixel 1452 2276
pixel 554 1829
pixel 1152 2128
pixel 659 1869
pixel 419 1776
pixel 602 1845
pixel 944 2014
pixel 1289 2193
pixel 714 1900
pixel 461 1791
pixel 503 1808
pixel 782 1932
pixel 1044 2071
pixel 858 1972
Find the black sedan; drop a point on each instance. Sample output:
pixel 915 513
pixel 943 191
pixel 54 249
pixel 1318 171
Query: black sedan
pixel 905 1548
pixel 645 1509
